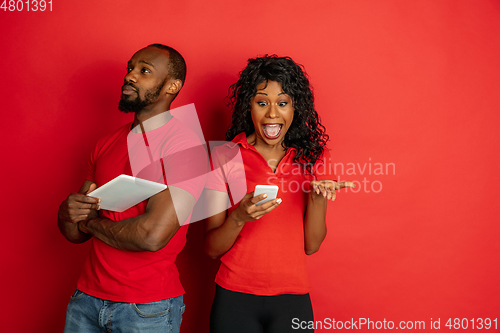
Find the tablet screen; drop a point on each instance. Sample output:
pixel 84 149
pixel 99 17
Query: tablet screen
pixel 125 191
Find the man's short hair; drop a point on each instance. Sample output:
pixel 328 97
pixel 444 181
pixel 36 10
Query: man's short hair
pixel 177 68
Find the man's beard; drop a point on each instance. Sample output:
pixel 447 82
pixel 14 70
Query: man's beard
pixel 138 104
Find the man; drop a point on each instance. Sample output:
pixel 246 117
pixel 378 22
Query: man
pixel 130 282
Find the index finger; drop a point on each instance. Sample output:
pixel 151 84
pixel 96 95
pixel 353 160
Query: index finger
pixel 87 199
pixel 268 206
pixel 341 185
pixel 258 198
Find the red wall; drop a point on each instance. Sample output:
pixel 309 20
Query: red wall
pixel 411 85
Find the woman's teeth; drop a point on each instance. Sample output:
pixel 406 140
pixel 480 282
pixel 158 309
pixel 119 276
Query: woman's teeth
pixel 272 131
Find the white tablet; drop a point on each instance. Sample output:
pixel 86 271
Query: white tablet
pixel 124 192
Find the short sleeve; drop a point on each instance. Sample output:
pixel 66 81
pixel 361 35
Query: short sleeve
pixel 171 154
pixel 228 174
pixel 187 169
pixel 216 179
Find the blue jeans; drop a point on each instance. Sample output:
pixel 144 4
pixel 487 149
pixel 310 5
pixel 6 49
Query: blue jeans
pixel 88 314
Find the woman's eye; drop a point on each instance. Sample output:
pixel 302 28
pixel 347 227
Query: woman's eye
pixel 282 104
pixel 262 103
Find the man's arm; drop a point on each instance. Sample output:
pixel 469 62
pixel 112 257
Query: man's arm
pixel 77 207
pixel 151 231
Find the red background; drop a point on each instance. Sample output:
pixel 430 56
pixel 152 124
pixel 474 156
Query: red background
pixel 413 83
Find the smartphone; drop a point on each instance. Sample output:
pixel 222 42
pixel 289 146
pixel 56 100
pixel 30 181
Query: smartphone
pixel 270 190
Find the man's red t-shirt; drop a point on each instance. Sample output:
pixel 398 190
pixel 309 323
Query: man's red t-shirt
pixel 141 277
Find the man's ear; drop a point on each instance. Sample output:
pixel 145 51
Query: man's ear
pixel 173 86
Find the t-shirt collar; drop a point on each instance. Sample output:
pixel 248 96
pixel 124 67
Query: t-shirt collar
pixel 241 139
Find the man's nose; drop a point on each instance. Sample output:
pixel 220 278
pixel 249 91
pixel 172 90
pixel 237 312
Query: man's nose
pixel 131 77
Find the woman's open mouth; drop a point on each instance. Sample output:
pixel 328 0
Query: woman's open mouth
pixel 272 131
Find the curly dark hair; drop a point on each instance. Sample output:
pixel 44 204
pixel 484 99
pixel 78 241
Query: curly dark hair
pixel 306 133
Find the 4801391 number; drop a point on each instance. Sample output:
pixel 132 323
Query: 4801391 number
pixel 26 5
pixel 474 323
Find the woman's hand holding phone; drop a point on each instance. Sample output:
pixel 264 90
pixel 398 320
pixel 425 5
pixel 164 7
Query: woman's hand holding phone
pixel 247 211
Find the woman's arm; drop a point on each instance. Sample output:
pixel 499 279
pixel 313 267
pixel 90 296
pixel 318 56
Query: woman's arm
pixel 315 219
pixel 222 231
pixel 314 222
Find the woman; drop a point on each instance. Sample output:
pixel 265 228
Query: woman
pixel 262 282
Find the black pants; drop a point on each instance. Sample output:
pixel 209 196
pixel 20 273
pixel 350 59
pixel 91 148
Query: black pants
pixel 234 312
